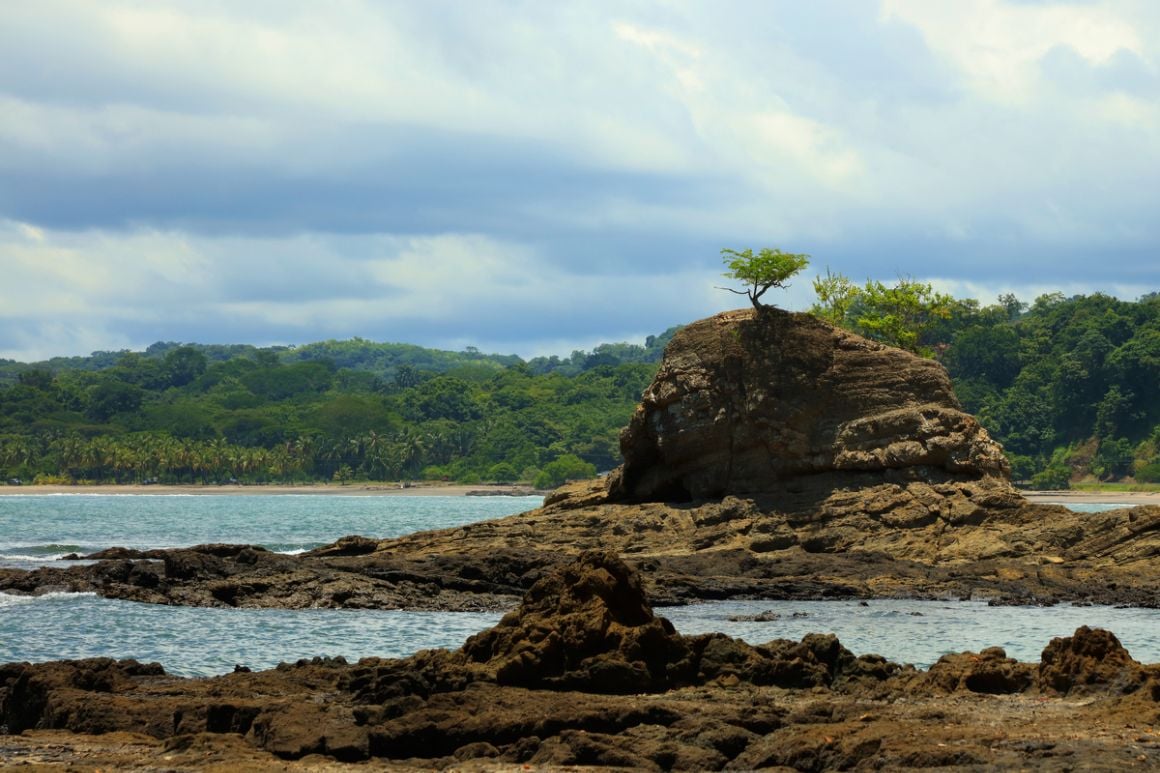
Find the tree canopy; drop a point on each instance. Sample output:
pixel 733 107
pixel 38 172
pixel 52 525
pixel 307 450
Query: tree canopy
pixel 767 269
pixel 1067 385
pixel 900 314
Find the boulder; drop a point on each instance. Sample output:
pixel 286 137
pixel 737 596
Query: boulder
pixel 585 626
pixel 1091 660
pixel 990 672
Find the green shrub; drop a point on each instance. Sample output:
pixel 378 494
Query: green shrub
pixel 1054 476
pixel 1148 473
pixel 562 469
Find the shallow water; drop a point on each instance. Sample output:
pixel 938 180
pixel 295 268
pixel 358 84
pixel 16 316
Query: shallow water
pixel 36 528
pixel 193 641
pixel 197 641
pixel 919 632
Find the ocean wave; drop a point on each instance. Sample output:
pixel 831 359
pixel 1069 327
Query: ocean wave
pixel 45 548
pixel 33 559
pixel 13 599
pixel 99 494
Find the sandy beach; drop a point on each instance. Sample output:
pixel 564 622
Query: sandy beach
pixel 321 489
pixel 1130 498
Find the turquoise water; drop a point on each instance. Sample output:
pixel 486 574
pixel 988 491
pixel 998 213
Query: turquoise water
pixel 37 528
pixel 195 641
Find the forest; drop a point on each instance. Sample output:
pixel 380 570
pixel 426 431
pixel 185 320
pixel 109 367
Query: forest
pixel 1067 385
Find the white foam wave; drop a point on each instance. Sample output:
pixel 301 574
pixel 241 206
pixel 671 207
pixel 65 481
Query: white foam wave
pixel 40 558
pixel 12 599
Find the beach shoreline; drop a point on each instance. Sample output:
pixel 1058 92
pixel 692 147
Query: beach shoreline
pixel 320 489
pixel 455 489
pixel 1128 498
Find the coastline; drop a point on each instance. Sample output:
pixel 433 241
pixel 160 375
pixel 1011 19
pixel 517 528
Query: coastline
pixel 1128 498
pixel 320 489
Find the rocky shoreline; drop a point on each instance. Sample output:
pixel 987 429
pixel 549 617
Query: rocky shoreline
pixel 583 673
pixel 1022 554
pixel 773 457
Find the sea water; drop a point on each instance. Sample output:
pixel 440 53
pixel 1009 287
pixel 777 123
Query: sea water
pixel 38 528
pixel 34 529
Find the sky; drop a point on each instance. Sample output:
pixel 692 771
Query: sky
pixel 533 178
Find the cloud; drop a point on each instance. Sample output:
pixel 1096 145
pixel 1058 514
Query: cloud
pixel 473 172
pixel 451 290
pixel 998 46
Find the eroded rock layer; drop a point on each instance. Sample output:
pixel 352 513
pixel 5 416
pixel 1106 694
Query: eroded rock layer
pixel 748 399
pixel 583 673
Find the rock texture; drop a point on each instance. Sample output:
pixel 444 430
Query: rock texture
pixel 774 456
pixel 751 398
pixel 627 692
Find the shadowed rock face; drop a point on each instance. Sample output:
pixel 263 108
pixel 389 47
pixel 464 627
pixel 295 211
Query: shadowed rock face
pixel 748 399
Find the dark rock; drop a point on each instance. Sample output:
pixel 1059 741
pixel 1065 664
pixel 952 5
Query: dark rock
pixel 586 626
pixel 353 545
pixel 1090 660
pixel 989 671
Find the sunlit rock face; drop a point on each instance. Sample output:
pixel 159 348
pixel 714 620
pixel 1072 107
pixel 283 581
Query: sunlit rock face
pixel 746 400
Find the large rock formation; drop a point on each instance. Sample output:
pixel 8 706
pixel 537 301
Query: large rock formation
pixel 773 456
pixel 748 399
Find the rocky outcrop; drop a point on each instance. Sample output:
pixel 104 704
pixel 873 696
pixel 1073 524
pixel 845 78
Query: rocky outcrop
pixel 774 456
pixel 1090 660
pixel 584 627
pixel 627 691
pixel 749 399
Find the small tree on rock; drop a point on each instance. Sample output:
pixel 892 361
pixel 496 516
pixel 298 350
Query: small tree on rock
pixel 768 268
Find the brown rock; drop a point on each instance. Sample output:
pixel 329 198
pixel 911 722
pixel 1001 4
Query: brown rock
pixel 586 626
pixel 749 398
pixel 1090 660
pixel 990 672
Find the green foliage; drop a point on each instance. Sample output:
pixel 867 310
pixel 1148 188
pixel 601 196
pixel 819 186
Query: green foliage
pixel 178 415
pixel 901 314
pixel 563 469
pixel 1113 459
pixel 769 268
pixel 1053 477
pixel 1067 386
pixel 503 473
pixel 836 297
pixel 1148 473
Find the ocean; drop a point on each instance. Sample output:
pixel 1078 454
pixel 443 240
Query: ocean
pixel 37 529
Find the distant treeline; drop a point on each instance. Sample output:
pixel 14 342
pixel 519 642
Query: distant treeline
pixel 336 410
pixel 1068 385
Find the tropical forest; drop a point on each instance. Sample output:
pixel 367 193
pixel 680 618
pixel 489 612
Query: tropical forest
pixel 1067 385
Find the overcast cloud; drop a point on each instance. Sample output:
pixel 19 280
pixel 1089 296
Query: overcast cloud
pixel 537 177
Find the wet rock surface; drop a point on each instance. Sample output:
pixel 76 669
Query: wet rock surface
pixel 629 692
